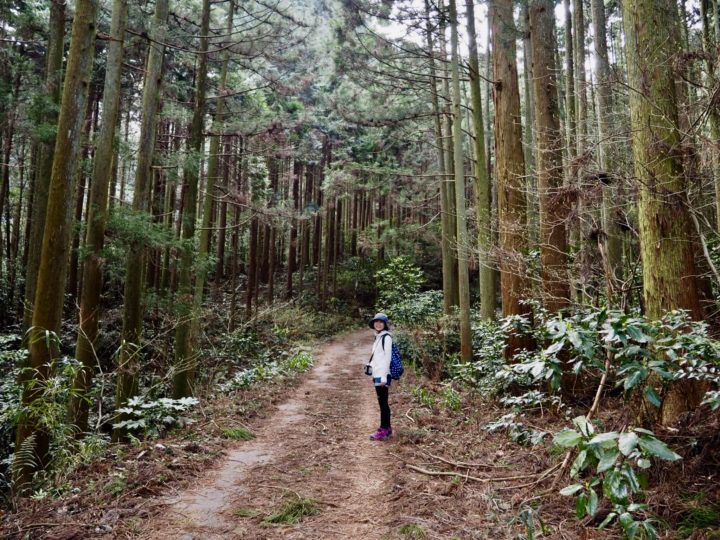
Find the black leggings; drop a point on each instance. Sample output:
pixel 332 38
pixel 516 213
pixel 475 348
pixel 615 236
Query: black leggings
pixel 382 395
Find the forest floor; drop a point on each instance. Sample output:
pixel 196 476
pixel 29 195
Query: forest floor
pixel 311 460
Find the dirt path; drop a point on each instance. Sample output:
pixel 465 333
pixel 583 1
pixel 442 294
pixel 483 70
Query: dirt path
pixel 315 446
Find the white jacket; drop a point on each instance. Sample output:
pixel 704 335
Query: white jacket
pixel 380 359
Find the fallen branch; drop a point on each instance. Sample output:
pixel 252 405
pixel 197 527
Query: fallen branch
pixel 542 477
pixel 465 465
pixel 467 476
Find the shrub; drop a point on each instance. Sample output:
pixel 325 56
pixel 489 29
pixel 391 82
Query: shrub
pixel 399 280
pixel 154 418
pixel 609 463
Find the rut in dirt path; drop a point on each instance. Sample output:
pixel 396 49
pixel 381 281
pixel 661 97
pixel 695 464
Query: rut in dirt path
pixel 315 446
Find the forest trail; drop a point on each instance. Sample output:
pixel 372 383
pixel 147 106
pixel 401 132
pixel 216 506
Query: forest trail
pixel 314 446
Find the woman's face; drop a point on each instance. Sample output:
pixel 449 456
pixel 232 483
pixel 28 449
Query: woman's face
pixel 379 326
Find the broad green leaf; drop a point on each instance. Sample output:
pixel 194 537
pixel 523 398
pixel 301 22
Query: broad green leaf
pixel 638 335
pixel 614 488
pixel 585 427
pixel 635 378
pixel 575 339
pixel 652 396
pixel 567 438
pixel 579 464
pixel 627 443
pixel 581 506
pixel 664 373
pixel 554 348
pixel 628 473
pixel 604 438
pixel 571 490
pixel 650 531
pixel 592 503
pixel 608 459
pixel 626 519
pixel 657 448
pixel 632 530
pixel 607 520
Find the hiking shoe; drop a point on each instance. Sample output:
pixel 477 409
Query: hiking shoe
pixel 382 434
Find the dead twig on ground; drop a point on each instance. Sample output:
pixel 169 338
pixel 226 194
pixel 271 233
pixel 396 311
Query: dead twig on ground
pixel 467 476
pixel 540 478
pixel 465 465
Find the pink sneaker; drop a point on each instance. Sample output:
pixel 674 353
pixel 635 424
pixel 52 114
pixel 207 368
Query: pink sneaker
pixel 382 434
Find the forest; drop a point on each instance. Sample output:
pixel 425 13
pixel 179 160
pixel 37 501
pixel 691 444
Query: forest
pixel 204 202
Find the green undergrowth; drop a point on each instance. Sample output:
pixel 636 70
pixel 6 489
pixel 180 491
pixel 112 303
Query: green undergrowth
pixel 238 434
pixel 294 510
pixel 412 531
pixel 272 349
pixel 612 469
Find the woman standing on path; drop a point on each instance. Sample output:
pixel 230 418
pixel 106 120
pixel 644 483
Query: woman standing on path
pixel 379 368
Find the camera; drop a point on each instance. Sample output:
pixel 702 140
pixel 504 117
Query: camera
pixel 368 369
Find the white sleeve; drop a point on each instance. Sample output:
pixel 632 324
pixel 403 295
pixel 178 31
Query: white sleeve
pixel 386 356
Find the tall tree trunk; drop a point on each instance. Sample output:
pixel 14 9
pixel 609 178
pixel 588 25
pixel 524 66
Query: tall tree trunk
pixel 611 239
pixel 252 266
pixel 14 233
pixel 579 72
pixel 96 220
pixel 52 89
pixel 663 210
pixel 212 174
pixel 292 247
pixel 130 352
pixel 708 10
pixel 570 117
pixel 222 215
pixel 82 186
pixel 185 357
pixel 553 240
pixel 31 437
pixel 445 242
pixel 459 166
pixel 447 191
pixel 483 195
pixel 528 107
pixel 510 168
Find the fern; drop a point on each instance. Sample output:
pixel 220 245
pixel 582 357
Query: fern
pixel 25 457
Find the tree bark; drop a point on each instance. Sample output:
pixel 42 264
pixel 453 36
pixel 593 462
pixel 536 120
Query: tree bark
pixel 553 240
pixel 52 89
pixel 510 169
pixel 78 405
pixel 612 236
pixel 130 351
pixel 52 273
pixel 459 169
pixel 483 195
pixel 663 210
pixel 185 357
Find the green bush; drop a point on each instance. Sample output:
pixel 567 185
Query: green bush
pixel 417 309
pixel 153 418
pixel 397 281
pixel 610 464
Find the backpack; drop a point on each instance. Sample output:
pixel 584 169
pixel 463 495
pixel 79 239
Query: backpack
pixel 396 367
